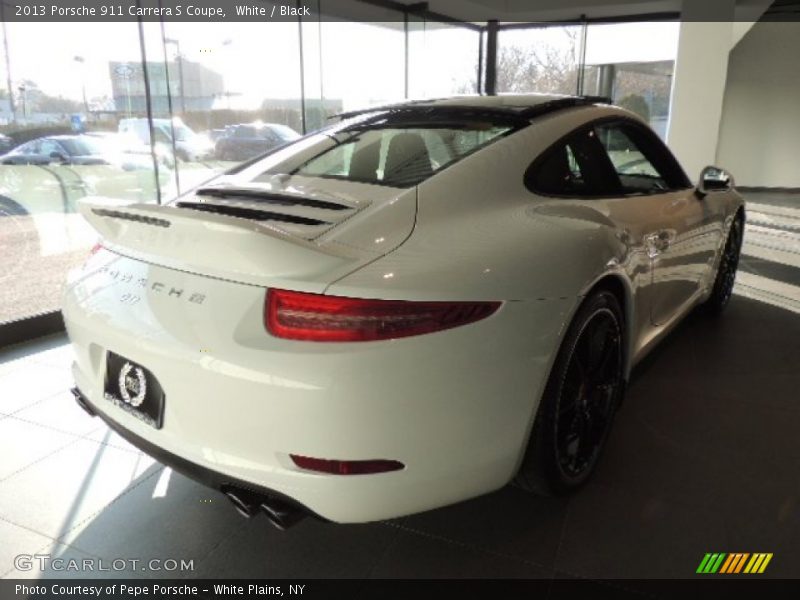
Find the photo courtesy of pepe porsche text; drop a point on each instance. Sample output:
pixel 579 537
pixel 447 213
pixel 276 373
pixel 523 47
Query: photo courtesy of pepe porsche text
pixel 89 589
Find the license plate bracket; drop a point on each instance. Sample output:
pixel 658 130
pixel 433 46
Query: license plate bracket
pixel 134 389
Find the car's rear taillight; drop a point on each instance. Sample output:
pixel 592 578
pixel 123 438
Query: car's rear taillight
pixel 320 318
pixel 346 467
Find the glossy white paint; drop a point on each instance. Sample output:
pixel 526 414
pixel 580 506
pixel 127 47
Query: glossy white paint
pixel 455 407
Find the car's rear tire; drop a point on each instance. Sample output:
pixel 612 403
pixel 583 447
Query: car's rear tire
pixel 580 399
pixel 726 271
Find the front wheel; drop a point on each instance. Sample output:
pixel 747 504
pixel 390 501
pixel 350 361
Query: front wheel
pixel 578 405
pixel 726 272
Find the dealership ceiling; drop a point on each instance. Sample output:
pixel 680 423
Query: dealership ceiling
pixel 568 10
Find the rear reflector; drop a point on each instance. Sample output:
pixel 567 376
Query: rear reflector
pixel 346 467
pixel 320 318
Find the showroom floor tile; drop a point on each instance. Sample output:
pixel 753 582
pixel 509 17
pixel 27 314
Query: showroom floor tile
pixel 26 443
pixel 415 554
pixel 161 515
pixel 320 550
pixel 702 458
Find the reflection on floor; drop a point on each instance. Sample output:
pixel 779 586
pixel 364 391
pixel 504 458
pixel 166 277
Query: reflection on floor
pixel 770 267
pixel 703 458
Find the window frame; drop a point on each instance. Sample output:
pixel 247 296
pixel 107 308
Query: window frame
pixel 608 165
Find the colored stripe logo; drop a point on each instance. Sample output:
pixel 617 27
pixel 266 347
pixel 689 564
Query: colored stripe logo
pixel 734 563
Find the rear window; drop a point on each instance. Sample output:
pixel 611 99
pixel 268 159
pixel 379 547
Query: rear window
pixel 397 154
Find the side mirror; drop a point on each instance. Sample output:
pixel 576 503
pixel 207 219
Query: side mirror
pixel 58 157
pixel 713 179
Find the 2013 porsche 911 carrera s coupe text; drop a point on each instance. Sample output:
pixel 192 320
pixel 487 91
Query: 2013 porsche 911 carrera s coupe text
pixel 411 307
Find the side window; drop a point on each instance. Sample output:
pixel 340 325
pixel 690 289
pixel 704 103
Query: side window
pixel 464 141
pixel 162 136
pixel 437 148
pixel 559 173
pixel 271 136
pixel 575 167
pixel 642 163
pixel 30 148
pixel 48 147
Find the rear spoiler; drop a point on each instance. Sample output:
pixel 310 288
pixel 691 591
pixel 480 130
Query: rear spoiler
pixel 216 245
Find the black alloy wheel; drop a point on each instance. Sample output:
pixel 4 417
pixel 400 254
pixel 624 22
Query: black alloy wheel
pixel 726 271
pixel 582 394
pixel 588 394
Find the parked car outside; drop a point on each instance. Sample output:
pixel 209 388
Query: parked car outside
pixel 84 149
pixel 189 146
pixel 245 141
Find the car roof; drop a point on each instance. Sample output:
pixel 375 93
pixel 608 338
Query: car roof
pixel 515 105
pixel 507 101
pixel 62 137
pixel 256 124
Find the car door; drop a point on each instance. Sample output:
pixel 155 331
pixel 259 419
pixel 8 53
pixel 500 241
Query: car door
pixel 679 235
pixel 270 140
pixel 253 142
pixel 577 171
pixel 236 144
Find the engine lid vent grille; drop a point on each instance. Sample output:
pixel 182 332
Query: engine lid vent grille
pixel 268 198
pixel 254 214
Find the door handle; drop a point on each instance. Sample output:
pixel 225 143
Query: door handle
pixel 658 242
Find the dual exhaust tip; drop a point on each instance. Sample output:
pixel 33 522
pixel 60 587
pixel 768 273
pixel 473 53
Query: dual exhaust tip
pixel 248 504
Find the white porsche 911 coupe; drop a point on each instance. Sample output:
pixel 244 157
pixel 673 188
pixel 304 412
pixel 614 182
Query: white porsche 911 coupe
pixel 409 308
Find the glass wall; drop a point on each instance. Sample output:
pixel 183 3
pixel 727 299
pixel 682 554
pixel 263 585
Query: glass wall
pixel 62 96
pixel 442 59
pixel 346 64
pixel 146 111
pixel 350 64
pixel 222 93
pixel 539 59
pixel 633 64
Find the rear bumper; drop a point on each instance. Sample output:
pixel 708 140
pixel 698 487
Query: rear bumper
pixel 199 473
pixel 454 407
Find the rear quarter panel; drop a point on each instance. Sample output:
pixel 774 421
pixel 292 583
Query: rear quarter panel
pixel 482 235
